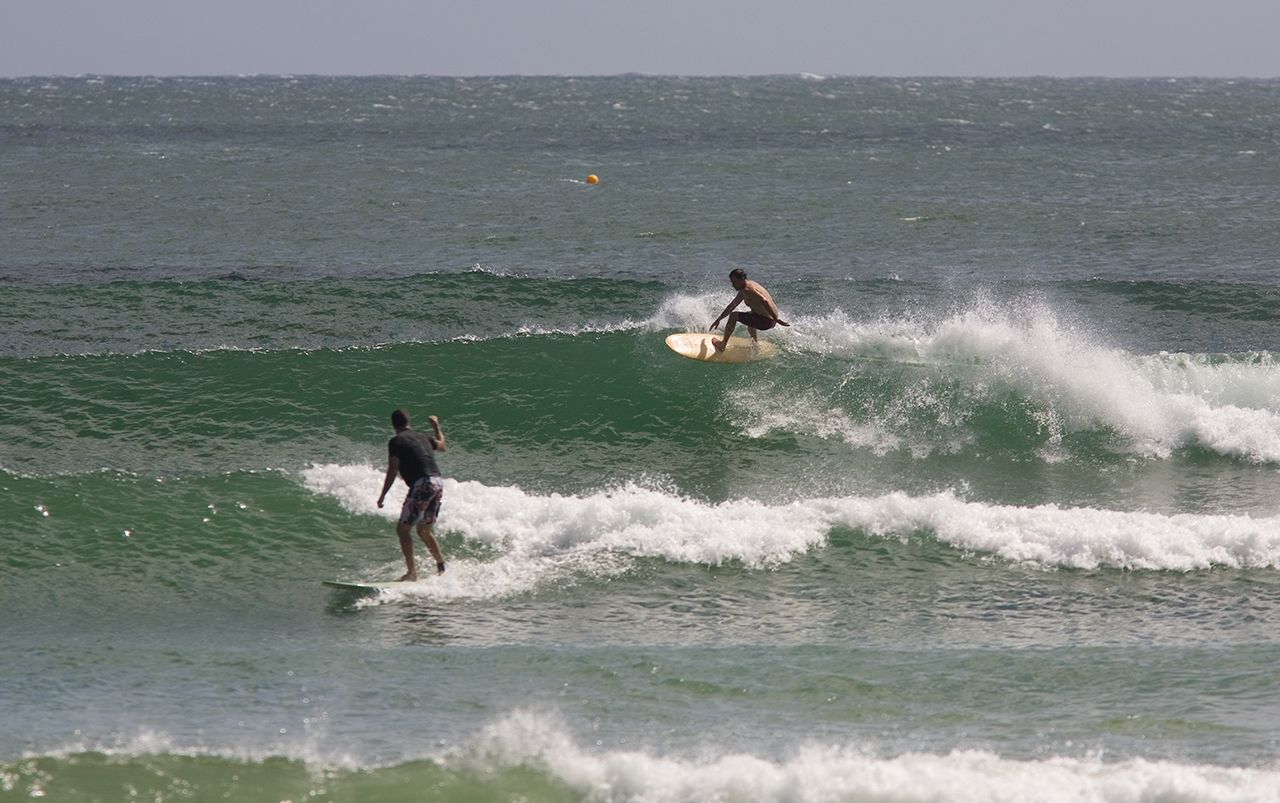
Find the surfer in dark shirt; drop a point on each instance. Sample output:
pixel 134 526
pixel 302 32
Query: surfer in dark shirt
pixel 411 455
pixel 763 314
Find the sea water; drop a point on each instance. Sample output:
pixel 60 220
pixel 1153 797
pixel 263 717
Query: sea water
pixel 1000 523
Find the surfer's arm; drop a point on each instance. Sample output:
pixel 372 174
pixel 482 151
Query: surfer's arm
pixel 435 427
pixel 393 467
pixel 735 302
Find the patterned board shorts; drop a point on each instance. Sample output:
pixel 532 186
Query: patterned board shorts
pixel 422 505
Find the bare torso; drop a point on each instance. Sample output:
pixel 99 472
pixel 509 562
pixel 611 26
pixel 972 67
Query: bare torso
pixel 758 300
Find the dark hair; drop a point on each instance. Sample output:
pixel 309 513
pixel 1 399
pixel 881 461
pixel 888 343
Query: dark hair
pixel 738 273
pixel 399 419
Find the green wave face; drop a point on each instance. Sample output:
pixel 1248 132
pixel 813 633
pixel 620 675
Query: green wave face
pixel 88 777
pixel 566 387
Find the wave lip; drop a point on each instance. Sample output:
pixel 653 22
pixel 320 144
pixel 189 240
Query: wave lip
pixel 542 538
pixel 535 752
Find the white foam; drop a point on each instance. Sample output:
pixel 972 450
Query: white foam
pixel 1157 403
pixel 1248 380
pixel 817 772
pixel 529 330
pixel 1082 538
pixel 308 744
pixel 544 538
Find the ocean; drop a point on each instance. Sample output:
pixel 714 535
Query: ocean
pixel 1001 521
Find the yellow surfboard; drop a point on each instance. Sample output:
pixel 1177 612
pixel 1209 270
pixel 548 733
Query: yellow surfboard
pixel 697 346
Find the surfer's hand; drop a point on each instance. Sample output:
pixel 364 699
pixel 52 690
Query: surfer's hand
pixel 380 498
pixel 782 322
pixel 715 324
pixel 433 420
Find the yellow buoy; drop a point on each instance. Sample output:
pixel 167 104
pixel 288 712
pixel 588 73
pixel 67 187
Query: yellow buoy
pixel 593 179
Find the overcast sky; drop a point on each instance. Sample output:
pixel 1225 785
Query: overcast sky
pixel 603 37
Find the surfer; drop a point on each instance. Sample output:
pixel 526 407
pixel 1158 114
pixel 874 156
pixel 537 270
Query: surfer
pixel 763 314
pixel 411 454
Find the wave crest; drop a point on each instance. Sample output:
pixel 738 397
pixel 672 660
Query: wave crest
pixel 543 538
pixel 1228 404
pixel 533 754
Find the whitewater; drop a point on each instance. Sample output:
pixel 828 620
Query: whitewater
pixel 534 755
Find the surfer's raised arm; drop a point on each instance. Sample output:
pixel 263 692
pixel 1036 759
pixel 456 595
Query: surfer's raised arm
pixel 439 439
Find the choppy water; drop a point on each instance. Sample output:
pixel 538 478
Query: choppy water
pixel 1001 522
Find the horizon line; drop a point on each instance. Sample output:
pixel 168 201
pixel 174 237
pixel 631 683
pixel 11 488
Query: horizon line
pixel 801 74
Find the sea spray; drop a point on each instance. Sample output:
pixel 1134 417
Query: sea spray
pixel 984 355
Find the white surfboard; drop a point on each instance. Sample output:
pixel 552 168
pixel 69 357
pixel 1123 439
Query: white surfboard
pixel 697 346
pixel 367 587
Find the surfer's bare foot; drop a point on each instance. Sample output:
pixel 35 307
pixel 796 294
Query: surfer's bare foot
pixel 408 577
pixel 717 343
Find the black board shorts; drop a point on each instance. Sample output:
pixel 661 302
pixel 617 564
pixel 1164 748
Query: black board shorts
pixel 754 321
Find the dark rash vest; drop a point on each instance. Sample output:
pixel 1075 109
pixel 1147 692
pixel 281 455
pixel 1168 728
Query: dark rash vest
pixel 417 455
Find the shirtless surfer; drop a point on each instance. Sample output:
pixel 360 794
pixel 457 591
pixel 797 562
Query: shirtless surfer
pixel 763 314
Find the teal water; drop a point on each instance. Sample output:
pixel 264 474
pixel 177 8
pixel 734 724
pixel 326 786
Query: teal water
pixel 999 523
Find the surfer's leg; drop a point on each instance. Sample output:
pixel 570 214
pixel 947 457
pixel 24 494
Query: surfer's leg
pixel 754 340
pixel 425 532
pixel 728 330
pixel 430 509
pixel 406 546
